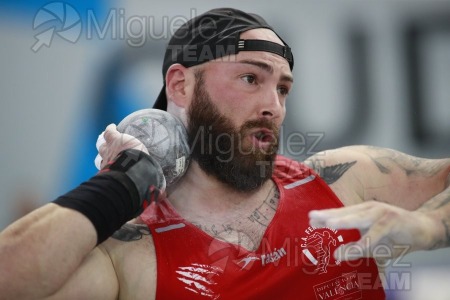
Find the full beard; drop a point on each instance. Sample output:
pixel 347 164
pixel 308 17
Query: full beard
pixel 221 149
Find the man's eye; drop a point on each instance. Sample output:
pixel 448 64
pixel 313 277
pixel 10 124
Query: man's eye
pixel 251 79
pixel 283 90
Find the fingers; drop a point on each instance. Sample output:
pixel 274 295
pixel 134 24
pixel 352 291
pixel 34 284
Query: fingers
pixel 100 141
pixel 105 137
pixel 342 210
pixel 365 217
pixel 111 133
pixel 360 216
pixel 111 142
pixel 122 141
pixel 387 231
pixel 365 246
pixel 321 216
pixel 98 162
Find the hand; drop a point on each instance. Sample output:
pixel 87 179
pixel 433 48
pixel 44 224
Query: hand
pixel 386 230
pixel 111 142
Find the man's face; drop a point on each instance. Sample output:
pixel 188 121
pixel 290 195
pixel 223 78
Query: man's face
pixel 241 157
pixel 235 113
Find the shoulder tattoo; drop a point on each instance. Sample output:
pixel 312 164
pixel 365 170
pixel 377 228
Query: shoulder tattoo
pixel 331 174
pixel 131 232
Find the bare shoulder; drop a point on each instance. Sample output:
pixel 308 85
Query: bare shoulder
pixel 341 169
pixel 332 165
pixel 133 231
pixel 383 161
pixel 133 255
pixel 381 174
pixel 122 267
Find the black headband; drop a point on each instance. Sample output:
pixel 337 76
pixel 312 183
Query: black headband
pixel 215 34
pixel 267 46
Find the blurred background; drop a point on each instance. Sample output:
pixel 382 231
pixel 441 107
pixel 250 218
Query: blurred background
pixel 366 72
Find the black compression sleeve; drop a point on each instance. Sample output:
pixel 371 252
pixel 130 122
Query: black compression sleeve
pixel 118 193
pixel 106 202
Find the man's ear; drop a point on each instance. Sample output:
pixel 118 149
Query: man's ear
pixel 178 81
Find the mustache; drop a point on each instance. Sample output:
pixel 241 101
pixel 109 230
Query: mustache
pixel 260 123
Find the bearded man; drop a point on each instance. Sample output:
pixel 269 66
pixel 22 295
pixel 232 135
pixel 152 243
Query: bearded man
pixel 243 222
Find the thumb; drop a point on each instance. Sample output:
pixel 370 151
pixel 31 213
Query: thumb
pixel 111 133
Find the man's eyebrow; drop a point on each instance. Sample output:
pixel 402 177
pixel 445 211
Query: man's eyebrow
pixel 267 68
pixel 259 64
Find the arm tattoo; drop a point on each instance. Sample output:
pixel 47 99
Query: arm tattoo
pixel 385 159
pixel 131 232
pixel 331 174
pixel 380 166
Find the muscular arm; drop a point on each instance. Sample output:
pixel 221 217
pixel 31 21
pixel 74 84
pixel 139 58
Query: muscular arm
pixel 425 183
pixel 42 251
pixel 383 175
pixel 404 180
pixel 127 259
pixel 439 208
pixel 51 253
pixel 403 200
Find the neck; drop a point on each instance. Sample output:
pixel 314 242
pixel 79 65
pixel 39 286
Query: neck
pixel 203 194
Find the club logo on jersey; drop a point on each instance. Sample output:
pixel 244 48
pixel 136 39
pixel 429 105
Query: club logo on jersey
pixel 318 246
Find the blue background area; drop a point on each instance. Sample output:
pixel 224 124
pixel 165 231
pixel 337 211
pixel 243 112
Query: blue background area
pixel 114 99
pixel 27 8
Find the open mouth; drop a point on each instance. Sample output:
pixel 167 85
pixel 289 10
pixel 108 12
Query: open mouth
pixel 263 137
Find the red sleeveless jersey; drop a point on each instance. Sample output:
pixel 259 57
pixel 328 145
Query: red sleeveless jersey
pixel 293 261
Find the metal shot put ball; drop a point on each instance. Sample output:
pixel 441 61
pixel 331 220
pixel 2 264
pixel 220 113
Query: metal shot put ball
pixel 165 138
